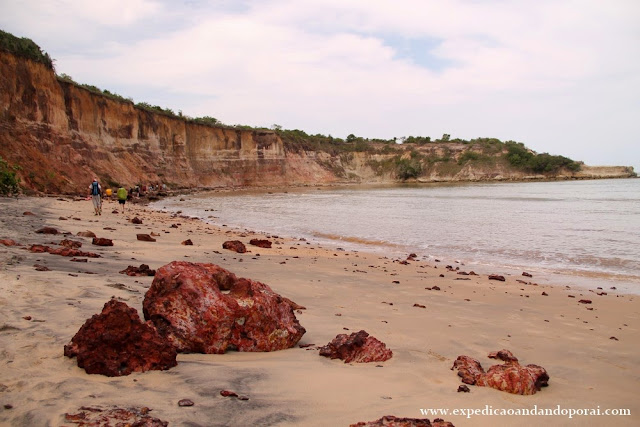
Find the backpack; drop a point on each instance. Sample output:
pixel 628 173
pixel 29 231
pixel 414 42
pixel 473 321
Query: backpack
pixel 95 188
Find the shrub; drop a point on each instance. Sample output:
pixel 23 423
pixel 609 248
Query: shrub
pixel 9 182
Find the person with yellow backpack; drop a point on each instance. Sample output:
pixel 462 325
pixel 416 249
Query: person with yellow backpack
pixel 122 196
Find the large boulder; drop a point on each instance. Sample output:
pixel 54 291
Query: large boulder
pixel 203 308
pixel 358 347
pixel 116 342
pixel 510 376
pixel 235 246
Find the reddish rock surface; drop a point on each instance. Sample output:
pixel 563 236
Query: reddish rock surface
pixel 187 242
pixel 102 241
pixel 116 342
pixel 391 421
pixel 358 347
pixel 94 416
pixel 145 238
pixel 235 245
pixel 8 242
pixel 136 220
pixel 510 376
pixel 187 304
pixel 496 277
pixel 261 243
pixel 62 251
pixel 143 270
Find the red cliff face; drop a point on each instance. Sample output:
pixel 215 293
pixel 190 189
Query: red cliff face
pixel 61 135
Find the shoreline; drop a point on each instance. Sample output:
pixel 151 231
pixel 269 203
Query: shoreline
pixel 343 292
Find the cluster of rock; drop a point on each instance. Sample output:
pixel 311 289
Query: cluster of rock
pixel 190 307
pixel 510 376
pixel 90 416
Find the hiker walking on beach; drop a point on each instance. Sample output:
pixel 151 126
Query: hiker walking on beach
pixel 122 197
pixel 96 193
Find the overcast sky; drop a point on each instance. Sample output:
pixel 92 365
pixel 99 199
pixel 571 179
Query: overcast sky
pixel 561 76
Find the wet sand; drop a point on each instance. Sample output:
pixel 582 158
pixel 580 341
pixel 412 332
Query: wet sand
pixel 343 292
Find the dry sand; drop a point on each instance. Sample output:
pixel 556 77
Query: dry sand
pixel 342 291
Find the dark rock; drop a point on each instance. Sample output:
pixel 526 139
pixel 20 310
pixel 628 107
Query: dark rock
pixel 510 376
pixel 47 230
pixel 185 402
pixel 102 241
pixel 419 305
pixel 143 270
pixel 86 234
pixel 261 243
pixel 27 213
pixel 545 294
pixel 235 245
pixel 227 393
pixel 114 417
pixel 525 274
pixel 358 347
pixel 496 277
pixel 585 301
pixel 392 421
pixel 67 243
pixel 463 389
pixel 145 238
pixel 116 342
pixel 188 242
pixel 187 304
pixel 39 267
pixel 78 260
pixel 136 220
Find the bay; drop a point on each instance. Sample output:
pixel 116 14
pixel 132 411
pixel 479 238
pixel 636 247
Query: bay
pixel 584 233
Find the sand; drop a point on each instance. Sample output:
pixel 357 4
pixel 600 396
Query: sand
pixel 343 292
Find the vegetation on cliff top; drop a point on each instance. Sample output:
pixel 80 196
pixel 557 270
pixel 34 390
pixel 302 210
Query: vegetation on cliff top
pixel 25 48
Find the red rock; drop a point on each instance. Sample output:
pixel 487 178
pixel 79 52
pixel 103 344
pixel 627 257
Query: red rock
pixel 392 421
pixel 86 234
pixel 358 347
pixel 187 242
pixel 116 342
pixel 102 241
pixel 62 251
pixel 261 243
pixel 463 389
pixel 114 417
pixel 235 245
pixel 185 402
pixel 67 243
pixel 136 220
pixel 8 242
pixel 145 238
pixel 227 393
pixel 525 274
pixel 27 213
pixel 187 304
pixel 510 376
pixel 496 277
pixel 47 230
pixel 143 270
pixel 585 301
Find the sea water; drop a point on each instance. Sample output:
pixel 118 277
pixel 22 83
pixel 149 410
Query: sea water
pixel 569 232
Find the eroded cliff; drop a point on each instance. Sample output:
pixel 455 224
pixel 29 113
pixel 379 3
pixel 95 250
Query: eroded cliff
pixel 61 135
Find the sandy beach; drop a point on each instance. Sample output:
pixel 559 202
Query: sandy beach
pixel 589 350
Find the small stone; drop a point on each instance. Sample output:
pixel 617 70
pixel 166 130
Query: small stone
pixel 186 402
pixel 463 388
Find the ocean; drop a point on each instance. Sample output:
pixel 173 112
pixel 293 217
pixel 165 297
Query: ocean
pixel 577 233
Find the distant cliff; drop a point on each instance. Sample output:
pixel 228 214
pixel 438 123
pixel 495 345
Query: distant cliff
pixel 61 135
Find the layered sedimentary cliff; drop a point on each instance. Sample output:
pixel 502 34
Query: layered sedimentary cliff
pixel 61 135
